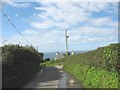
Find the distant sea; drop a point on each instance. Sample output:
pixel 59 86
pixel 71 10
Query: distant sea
pixel 52 55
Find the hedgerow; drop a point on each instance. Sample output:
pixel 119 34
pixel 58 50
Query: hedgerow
pixel 19 65
pixel 97 68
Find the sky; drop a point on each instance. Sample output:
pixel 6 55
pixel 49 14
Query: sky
pixel 43 24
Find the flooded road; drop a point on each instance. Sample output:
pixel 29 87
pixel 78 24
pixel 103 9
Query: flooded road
pixel 53 77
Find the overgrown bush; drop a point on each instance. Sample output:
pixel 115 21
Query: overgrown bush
pixel 19 65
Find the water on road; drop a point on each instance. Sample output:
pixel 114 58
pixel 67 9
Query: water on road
pixel 53 77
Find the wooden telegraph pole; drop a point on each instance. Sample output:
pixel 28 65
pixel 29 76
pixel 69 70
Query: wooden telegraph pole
pixel 66 37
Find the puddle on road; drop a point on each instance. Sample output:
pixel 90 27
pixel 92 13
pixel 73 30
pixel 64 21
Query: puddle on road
pixel 62 81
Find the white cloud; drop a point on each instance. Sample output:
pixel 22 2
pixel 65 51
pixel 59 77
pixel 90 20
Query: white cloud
pixel 55 39
pixel 78 0
pixel 93 30
pixel 64 14
pixel 30 32
pixel 18 4
pixel 103 21
pixel 0 5
pixel 96 7
pixel 34 14
pixel 85 40
pixel 89 34
pixel 37 8
pixel 61 14
pixel 16 15
pixel 42 25
pixel 57 36
pixel 45 40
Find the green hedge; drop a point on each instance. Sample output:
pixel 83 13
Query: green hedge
pixel 96 68
pixel 19 65
pixel 92 78
pixel 104 57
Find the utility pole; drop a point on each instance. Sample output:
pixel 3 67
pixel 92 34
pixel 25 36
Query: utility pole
pixel 66 37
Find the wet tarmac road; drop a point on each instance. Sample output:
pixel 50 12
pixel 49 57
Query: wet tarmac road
pixel 54 77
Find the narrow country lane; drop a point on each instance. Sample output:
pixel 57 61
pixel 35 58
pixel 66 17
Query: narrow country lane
pixel 54 77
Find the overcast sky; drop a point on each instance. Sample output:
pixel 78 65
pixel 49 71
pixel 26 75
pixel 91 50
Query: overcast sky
pixel 89 25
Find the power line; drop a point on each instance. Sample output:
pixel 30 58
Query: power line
pixel 15 27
